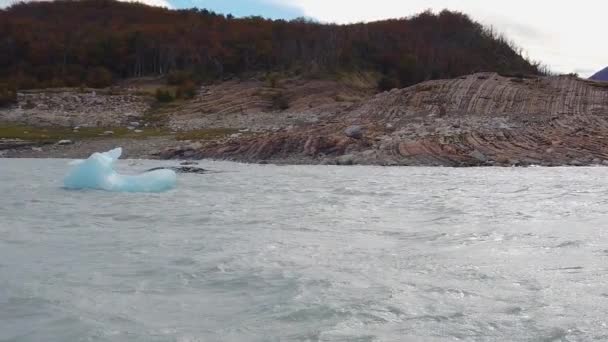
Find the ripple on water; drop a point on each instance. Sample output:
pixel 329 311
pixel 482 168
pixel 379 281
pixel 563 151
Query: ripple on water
pixel 306 253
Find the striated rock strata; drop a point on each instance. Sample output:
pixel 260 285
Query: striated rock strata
pixel 254 105
pixel 481 119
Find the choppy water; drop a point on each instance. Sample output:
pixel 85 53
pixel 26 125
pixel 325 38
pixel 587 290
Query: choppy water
pixel 268 253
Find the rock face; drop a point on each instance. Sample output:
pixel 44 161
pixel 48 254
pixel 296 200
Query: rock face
pixel 258 106
pixel 355 132
pixel 481 119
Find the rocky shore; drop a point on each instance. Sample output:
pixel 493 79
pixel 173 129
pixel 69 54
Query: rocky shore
pixel 483 119
pixel 133 148
pixel 479 120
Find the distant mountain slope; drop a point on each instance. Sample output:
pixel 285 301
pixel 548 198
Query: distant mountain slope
pixel 96 42
pixel 601 75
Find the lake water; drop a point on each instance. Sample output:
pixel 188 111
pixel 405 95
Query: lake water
pixel 306 253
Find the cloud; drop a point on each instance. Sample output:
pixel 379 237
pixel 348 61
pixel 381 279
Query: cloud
pixel 158 3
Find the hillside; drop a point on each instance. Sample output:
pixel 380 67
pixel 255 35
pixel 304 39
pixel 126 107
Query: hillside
pixel 95 43
pixel 480 119
pixel 474 120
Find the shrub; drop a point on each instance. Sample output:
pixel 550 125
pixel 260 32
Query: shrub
pixel 179 77
pixel 164 96
pixel 519 75
pixel 57 83
pixel 387 83
pixel 272 79
pixel 25 82
pixel 8 96
pixel 187 90
pixel 280 101
pixel 99 77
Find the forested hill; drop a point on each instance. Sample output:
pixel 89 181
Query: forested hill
pixel 95 42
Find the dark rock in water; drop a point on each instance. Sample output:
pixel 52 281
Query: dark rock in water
pixel 6 144
pixel 346 160
pixel 181 169
pixel 187 163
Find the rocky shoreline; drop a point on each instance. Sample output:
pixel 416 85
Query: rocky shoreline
pixel 133 148
pixel 483 119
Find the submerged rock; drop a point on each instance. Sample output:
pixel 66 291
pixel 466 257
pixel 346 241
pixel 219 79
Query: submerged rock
pixel 348 159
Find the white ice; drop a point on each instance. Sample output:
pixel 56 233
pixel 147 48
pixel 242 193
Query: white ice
pixel 97 172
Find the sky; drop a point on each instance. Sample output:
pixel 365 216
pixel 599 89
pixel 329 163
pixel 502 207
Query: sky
pixel 568 36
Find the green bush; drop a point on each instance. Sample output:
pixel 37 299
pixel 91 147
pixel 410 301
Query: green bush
pixel 164 96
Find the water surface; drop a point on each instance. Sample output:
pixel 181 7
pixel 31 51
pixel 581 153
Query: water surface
pixel 306 253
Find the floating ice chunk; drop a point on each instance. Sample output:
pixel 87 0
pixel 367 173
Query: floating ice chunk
pixel 97 172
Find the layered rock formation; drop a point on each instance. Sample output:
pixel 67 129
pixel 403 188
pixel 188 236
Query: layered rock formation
pixel 481 119
pixel 257 105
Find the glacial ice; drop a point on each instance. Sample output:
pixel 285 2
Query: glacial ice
pixel 97 172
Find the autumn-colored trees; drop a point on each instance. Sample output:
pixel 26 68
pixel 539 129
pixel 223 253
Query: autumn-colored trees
pixel 93 42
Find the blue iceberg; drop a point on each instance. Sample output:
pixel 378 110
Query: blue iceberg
pixel 97 172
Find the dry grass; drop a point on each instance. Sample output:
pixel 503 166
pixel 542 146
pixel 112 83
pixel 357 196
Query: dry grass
pixel 51 134
pixel 206 134
pixel 360 80
pixel 597 84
